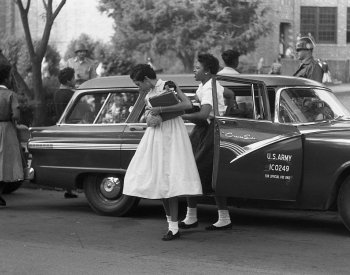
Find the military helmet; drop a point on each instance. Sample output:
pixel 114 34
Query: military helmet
pixel 80 47
pixel 305 43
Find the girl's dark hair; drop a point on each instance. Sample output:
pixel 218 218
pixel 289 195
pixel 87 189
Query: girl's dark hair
pixel 65 75
pixel 4 72
pixel 231 58
pixel 209 62
pixel 140 71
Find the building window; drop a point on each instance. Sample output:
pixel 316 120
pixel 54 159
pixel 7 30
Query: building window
pixel 320 22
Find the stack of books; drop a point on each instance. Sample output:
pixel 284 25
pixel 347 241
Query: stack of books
pixel 163 100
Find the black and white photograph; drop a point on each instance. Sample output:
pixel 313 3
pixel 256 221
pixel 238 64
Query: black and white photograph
pixel 174 137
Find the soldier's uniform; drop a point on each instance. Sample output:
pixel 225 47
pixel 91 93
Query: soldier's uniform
pixel 84 69
pixel 309 67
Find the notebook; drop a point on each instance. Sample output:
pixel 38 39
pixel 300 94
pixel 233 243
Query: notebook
pixel 163 100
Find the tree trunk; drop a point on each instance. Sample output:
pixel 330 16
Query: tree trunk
pixel 187 62
pixel 39 96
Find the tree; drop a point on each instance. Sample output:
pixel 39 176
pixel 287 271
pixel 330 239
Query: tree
pixel 37 53
pixel 186 27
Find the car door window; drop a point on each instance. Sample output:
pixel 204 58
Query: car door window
pixel 117 107
pixel 241 103
pixel 86 108
pixel 304 105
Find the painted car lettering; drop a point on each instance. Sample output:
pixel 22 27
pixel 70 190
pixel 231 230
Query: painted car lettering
pixel 246 136
pixel 277 156
pixel 274 165
pixel 278 167
pixel 283 177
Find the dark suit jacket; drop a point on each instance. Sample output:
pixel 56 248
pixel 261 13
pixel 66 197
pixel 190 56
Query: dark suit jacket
pixel 310 68
pixel 61 99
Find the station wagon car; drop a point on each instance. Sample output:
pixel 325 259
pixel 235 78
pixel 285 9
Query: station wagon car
pixel 288 148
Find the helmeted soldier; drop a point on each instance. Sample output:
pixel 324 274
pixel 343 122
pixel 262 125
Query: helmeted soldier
pixel 84 67
pixel 309 67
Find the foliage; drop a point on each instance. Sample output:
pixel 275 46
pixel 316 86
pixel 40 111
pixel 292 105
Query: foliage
pixel 12 48
pixel 186 27
pixel 17 53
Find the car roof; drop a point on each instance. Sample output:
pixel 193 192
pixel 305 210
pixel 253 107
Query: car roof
pixel 124 81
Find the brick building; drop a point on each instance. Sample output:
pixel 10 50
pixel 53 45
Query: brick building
pixel 328 21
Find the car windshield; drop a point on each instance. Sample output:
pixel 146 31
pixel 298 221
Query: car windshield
pixel 305 105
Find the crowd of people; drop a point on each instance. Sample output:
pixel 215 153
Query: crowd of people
pixel 165 148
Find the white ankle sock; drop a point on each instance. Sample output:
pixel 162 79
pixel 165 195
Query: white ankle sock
pixel 191 215
pixel 168 218
pixel 224 218
pixel 174 227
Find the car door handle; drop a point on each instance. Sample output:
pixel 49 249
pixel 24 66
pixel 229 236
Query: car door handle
pixel 138 128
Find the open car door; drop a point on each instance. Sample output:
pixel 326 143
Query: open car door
pixel 255 158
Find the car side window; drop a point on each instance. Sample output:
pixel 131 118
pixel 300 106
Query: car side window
pixel 117 107
pixel 302 106
pixel 86 108
pixel 241 104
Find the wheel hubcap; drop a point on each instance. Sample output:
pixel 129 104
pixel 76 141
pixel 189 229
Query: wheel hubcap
pixel 111 187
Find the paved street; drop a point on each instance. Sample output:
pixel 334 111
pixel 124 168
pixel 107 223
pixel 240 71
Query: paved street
pixel 43 233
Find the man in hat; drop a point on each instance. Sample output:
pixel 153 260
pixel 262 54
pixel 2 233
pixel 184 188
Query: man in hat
pixel 84 67
pixel 309 67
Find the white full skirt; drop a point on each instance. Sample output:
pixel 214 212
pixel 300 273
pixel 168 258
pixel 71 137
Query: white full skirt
pixel 163 165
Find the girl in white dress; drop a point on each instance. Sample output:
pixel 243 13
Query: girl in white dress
pixel 163 166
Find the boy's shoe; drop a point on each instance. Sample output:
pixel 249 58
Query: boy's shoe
pixel 213 227
pixel 169 236
pixel 68 195
pixel 2 201
pixel 183 225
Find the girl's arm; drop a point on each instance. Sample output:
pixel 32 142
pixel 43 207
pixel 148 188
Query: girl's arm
pixel 184 104
pixel 203 114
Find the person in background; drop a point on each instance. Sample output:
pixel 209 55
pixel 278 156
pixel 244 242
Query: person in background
pixel 289 53
pixel 83 66
pixel 202 139
pixel 61 98
pixel 11 169
pixel 102 69
pixel 26 111
pixel 309 67
pixel 63 95
pixel 45 65
pixel 282 46
pixel 231 60
pixel 232 109
pixel 260 66
pixel 276 67
pixel 150 62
